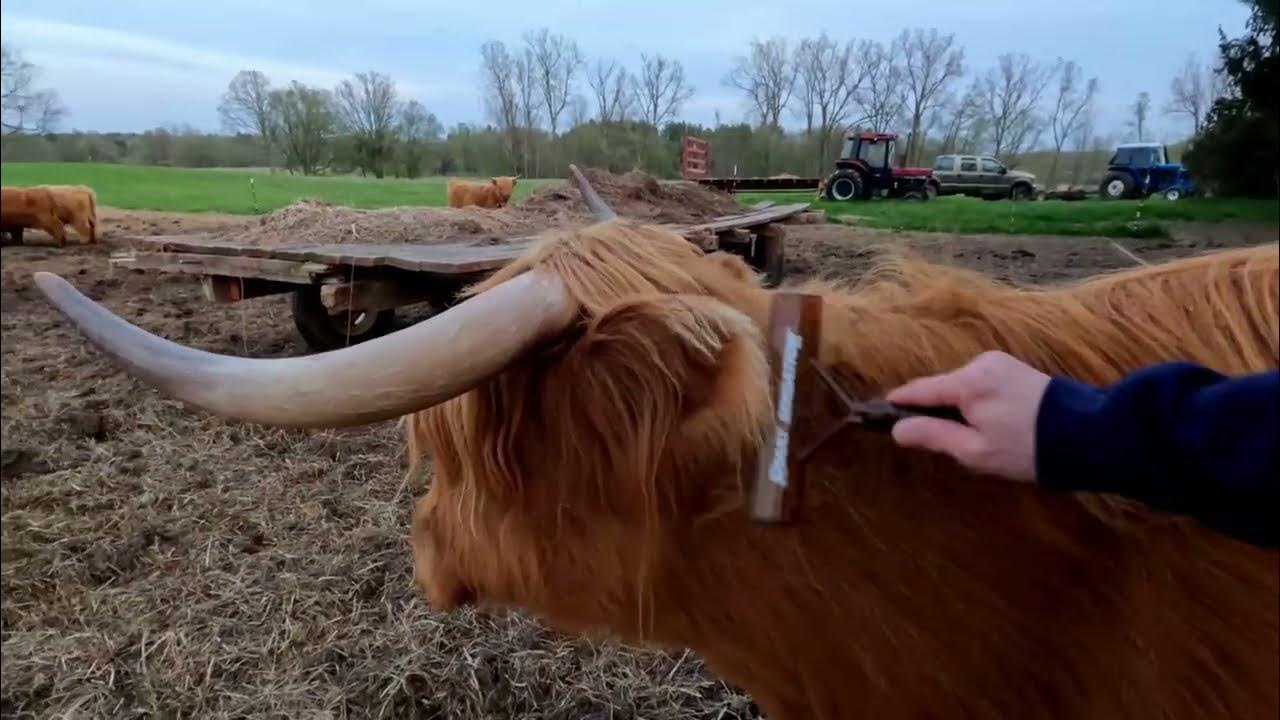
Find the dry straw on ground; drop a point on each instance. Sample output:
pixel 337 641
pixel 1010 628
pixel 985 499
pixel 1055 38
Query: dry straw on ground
pixel 161 562
pixel 634 195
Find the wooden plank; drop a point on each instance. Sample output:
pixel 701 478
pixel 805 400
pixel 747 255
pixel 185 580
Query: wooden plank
pixel 444 259
pixel 200 244
pixel 734 235
pixel 287 271
pixel 809 217
pixel 366 295
pixel 447 259
pixel 752 219
pixel 223 289
pixel 201 253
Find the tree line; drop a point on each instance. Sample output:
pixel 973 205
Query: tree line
pixel 547 105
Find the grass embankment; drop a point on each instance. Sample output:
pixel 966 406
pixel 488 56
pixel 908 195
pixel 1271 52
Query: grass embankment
pixel 139 187
pixel 1120 218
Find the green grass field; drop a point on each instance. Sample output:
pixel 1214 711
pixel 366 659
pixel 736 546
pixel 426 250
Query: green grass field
pixel 137 187
pixel 1129 218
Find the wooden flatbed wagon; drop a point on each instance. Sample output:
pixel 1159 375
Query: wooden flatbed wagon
pixel 347 293
pixel 760 184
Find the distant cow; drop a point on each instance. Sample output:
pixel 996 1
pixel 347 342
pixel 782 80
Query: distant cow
pixel 77 206
pixel 492 195
pixel 30 208
pixel 595 411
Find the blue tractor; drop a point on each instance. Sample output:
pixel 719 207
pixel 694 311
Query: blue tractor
pixel 1139 170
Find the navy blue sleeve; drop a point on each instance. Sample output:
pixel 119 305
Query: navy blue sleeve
pixel 1177 437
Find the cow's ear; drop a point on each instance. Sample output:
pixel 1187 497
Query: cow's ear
pixel 493 181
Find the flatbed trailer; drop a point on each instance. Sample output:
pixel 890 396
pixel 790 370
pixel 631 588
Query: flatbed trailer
pixel 348 292
pixel 761 184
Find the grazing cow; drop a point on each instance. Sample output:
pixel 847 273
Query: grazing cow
pixel 30 208
pixel 594 411
pixel 491 195
pixel 77 206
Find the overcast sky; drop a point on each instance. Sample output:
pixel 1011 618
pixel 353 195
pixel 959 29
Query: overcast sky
pixel 134 64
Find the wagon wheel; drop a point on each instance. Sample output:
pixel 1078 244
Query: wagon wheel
pixel 323 331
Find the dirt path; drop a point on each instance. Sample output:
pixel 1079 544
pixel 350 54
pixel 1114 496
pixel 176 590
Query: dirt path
pixel 835 250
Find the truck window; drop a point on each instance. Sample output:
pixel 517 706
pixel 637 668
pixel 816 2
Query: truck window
pixel 968 165
pixel 946 163
pixel 990 166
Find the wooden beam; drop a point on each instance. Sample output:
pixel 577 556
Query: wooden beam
pixel 223 289
pixel 809 217
pixel 734 236
pixel 373 295
pixel 287 271
pixel 770 253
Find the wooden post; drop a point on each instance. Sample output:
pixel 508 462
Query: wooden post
pixel 769 255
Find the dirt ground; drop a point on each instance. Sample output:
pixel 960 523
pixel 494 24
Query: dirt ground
pixel 164 562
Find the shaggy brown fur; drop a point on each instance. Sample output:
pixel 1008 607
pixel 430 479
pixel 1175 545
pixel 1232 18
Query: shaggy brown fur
pixel 599 483
pixel 30 208
pixel 491 195
pixel 77 206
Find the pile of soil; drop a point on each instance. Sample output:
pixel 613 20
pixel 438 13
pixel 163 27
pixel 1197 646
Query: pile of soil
pixel 638 195
pixel 634 195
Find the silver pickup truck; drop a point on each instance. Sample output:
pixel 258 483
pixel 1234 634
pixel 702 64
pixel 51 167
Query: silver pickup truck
pixel 981 176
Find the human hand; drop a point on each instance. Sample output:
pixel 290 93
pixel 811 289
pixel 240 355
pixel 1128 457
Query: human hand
pixel 999 397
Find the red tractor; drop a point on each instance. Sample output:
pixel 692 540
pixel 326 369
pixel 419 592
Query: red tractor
pixel 865 170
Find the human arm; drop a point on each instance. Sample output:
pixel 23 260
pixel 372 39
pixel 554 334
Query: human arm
pixel 1176 436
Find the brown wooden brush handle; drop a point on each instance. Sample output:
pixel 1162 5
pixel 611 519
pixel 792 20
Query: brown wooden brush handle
pixel 882 415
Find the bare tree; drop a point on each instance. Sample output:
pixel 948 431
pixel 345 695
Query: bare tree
pixel 502 101
pixel 24 108
pixel 367 106
pixel 244 107
pixel 579 111
pixel 830 76
pixel 1192 92
pixel 303 124
pixel 885 95
pixel 767 76
pixel 930 62
pixel 556 60
pixel 1072 106
pixel 1011 93
pixel 611 84
pixel 1081 142
pixel 1140 108
pixel 965 124
pixel 660 89
pixel 526 84
pixel 417 129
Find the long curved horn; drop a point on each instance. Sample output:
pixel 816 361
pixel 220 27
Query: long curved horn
pixel 594 203
pixel 380 379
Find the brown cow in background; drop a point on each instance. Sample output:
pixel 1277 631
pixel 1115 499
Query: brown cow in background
pixel 594 412
pixel 491 195
pixel 36 208
pixel 77 206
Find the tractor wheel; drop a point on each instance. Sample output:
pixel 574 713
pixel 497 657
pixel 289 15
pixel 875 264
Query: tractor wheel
pixel 915 195
pixel 1115 186
pixel 930 192
pixel 1173 194
pixel 844 185
pixel 323 332
pixel 1020 192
